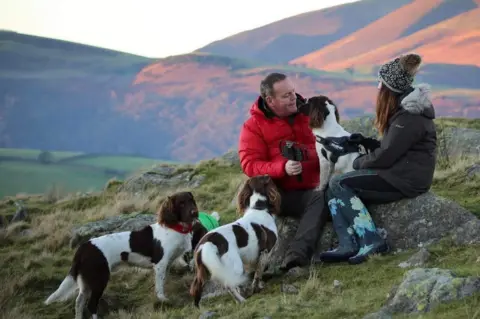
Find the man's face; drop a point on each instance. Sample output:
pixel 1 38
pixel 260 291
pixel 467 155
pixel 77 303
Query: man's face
pixel 283 101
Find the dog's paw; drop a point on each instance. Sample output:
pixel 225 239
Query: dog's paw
pixel 162 298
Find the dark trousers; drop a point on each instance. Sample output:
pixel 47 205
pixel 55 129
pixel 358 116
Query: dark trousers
pixel 367 185
pixel 310 208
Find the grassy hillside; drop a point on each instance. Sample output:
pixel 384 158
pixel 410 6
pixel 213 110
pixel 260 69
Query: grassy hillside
pixel 23 172
pixel 35 256
pixel 182 108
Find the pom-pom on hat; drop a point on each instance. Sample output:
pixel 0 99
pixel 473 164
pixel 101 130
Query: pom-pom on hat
pixel 398 75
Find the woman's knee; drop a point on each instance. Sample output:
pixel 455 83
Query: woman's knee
pixel 334 185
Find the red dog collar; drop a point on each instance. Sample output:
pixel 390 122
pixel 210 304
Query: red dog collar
pixel 181 228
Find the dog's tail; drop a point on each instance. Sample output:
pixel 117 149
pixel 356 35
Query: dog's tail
pixel 65 291
pixel 225 270
pixel 69 285
pixel 201 274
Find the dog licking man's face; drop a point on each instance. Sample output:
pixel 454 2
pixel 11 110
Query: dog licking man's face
pixel 318 108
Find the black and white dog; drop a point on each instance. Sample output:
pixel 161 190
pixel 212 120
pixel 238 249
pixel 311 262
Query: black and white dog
pixel 336 147
pixel 155 246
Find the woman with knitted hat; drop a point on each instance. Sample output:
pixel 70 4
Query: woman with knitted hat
pixel 401 167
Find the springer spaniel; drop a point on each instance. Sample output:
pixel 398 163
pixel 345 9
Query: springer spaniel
pixel 250 239
pixel 155 246
pixel 336 147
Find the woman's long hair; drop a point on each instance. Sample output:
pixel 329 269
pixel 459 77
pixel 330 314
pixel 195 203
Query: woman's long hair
pixel 387 104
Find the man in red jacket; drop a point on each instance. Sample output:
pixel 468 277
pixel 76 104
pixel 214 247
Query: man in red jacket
pixel 274 118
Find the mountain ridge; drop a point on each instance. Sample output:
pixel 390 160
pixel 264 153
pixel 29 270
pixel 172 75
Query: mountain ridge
pixel 191 107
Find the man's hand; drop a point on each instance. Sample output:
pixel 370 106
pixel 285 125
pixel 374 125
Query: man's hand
pixel 293 168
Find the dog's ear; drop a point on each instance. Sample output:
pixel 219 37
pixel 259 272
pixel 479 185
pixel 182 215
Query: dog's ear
pixel 274 197
pixel 243 198
pixel 167 214
pixel 317 113
pixel 337 114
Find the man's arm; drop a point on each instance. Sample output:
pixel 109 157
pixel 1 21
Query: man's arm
pixel 402 134
pixel 253 153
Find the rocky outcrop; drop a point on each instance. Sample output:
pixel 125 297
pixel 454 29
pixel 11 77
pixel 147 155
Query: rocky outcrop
pixel 163 176
pixel 410 223
pixel 127 222
pixel 406 224
pixel 231 157
pixel 423 289
pixel 459 141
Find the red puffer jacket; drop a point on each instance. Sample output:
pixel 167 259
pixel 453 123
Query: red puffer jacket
pixel 259 150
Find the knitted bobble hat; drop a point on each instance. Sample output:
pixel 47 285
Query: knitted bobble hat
pixel 398 75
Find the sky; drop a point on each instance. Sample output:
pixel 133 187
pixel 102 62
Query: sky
pixel 151 28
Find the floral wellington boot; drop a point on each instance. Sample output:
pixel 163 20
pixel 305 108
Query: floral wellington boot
pixel 347 245
pixel 370 241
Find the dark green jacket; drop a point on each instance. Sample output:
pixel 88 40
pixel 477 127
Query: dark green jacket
pixel 407 154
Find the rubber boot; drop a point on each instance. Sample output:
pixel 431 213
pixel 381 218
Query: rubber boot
pixel 369 241
pixel 347 245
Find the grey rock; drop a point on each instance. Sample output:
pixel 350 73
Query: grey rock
pixel 416 260
pixel 423 289
pixel 289 289
pixel 20 214
pixel 407 224
pixel 473 170
pixel 459 141
pixel 467 233
pixel 231 157
pixel 163 176
pixel 127 222
pixel 337 283
pixel 425 219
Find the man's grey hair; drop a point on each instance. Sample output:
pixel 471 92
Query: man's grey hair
pixel 266 86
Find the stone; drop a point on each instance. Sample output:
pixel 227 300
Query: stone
pixel 337 283
pixel 163 176
pixel 422 289
pixel 425 219
pixel 416 260
pixel 459 141
pixel 289 289
pixel 20 214
pixel 127 222
pixel 231 157
pixel 473 170
pixel 406 224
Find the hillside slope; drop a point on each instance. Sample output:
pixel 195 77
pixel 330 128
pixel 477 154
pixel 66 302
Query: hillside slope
pixel 452 41
pixel 68 97
pixel 284 40
pixel 318 38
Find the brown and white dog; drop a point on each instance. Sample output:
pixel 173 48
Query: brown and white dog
pixel 223 251
pixel 324 122
pixel 155 246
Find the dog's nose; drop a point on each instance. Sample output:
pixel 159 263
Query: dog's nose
pixel 195 213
